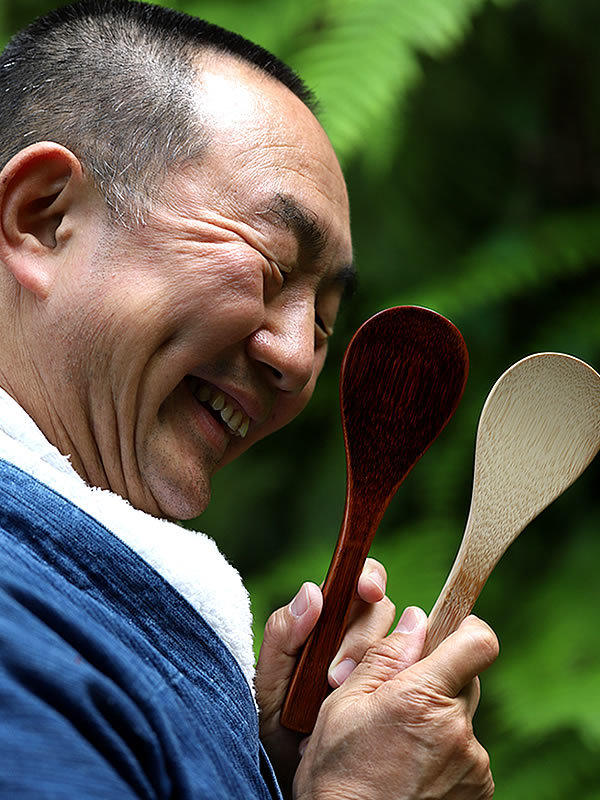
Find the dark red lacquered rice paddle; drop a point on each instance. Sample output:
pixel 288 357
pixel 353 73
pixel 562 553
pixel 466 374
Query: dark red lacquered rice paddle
pixel 402 378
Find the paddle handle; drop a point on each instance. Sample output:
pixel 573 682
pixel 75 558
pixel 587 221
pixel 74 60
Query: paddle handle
pixel 472 567
pixel 454 604
pixel 309 685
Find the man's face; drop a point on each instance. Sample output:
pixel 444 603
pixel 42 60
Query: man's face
pixel 208 326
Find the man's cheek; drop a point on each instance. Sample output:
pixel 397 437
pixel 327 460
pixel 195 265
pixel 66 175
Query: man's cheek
pixel 294 406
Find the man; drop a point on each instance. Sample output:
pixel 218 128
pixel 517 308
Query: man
pixel 174 244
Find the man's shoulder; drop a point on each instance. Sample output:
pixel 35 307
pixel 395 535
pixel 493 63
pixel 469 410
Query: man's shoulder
pixel 90 635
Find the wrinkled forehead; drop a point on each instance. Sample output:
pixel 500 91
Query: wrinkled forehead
pixel 263 138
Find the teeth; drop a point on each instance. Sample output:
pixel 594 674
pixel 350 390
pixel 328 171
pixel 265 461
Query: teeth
pixel 227 413
pixel 203 393
pixel 237 422
pixel 234 422
pixel 218 402
pixel 243 429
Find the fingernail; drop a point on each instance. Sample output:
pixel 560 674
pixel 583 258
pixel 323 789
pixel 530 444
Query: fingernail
pixel 340 672
pixel 300 603
pixel 408 621
pixel 378 580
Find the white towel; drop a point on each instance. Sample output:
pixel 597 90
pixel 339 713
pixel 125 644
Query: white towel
pixel 190 561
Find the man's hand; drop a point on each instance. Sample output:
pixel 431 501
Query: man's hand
pixel 286 631
pixel 404 732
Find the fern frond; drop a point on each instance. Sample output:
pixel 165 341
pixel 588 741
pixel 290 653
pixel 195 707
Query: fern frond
pixel 515 261
pixel 363 58
pixel 270 23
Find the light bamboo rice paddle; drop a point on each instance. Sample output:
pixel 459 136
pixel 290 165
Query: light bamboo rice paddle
pixel 538 431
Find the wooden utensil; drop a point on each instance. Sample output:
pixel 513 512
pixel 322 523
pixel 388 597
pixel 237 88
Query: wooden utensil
pixel 402 378
pixel 539 429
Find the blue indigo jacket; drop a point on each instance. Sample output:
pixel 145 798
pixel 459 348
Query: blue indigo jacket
pixel 111 685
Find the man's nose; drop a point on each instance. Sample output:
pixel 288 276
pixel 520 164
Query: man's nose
pixel 285 344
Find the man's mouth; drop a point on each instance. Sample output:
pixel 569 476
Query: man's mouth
pixel 222 407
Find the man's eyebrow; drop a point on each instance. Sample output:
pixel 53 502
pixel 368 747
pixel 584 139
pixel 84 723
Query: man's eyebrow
pixel 291 215
pixel 310 234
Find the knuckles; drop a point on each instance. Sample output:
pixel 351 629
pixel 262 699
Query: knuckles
pixel 388 608
pixel 384 657
pixel 451 759
pixel 485 640
pixel 481 774
pixel 276 627
pixel 388 709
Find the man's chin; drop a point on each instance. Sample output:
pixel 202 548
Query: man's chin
pixel 181 507
pixel 180 497
pixel 175 472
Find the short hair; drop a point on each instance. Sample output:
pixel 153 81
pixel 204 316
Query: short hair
pixel 113 81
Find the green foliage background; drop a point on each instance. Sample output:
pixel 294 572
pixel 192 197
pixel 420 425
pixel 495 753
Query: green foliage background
pixel 469 131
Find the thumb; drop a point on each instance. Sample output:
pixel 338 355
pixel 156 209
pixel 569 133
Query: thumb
pixel 467 652
pixel 286 631
pixel 398 651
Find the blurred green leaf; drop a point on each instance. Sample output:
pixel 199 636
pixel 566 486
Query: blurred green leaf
pixel 469 134
pixel 512 262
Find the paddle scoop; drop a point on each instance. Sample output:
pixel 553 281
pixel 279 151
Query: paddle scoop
pixel 402 378
pixel 539 429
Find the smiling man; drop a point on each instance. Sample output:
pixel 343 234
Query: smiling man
pixel 174 246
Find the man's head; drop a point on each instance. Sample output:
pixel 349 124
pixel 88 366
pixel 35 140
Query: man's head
pixel 114 81
pixel 223 297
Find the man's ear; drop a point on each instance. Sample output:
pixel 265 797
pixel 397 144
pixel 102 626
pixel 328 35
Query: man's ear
pixel 39 187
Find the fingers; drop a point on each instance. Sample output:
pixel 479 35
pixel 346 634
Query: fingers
pixel 447 672
pixel 370 619
pixel 396 703
pixel 297 619
pixel 372 582
pixel 367 625
pixel 461 657
pixel 285 632
pixel 288 628
pixel 393 654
